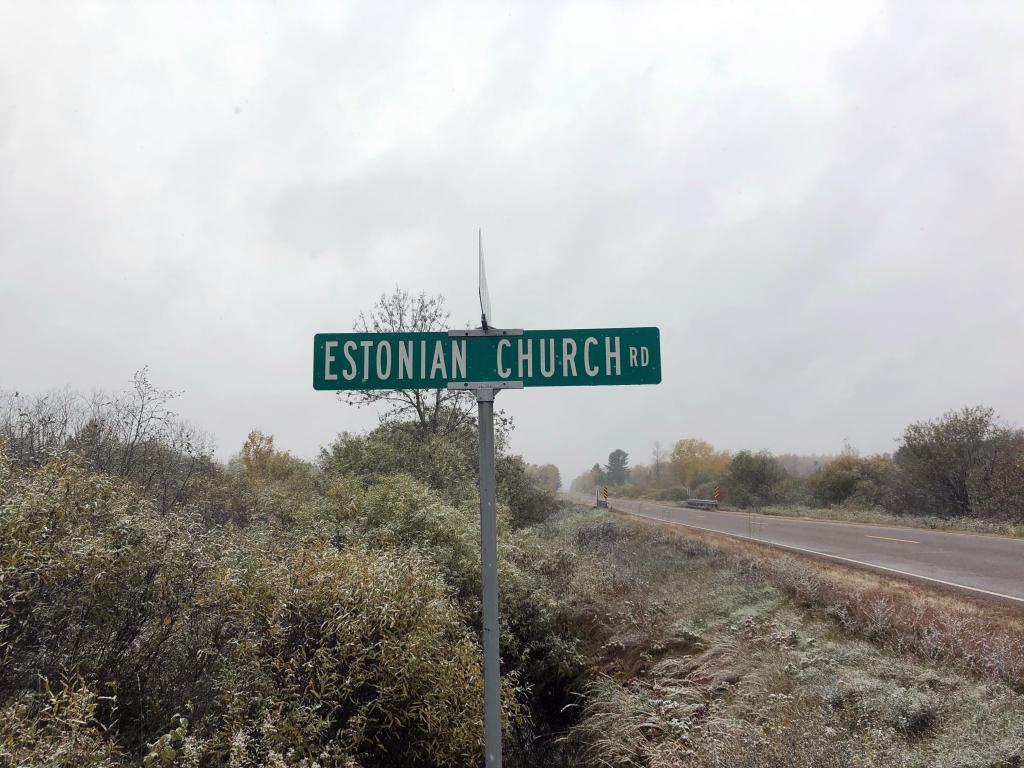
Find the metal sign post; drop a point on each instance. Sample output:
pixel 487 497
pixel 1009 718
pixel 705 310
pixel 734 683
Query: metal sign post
pixel 489 573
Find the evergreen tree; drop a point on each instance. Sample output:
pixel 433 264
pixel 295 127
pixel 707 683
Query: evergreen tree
pixel 617 469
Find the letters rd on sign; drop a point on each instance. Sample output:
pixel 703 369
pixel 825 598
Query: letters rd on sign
pixel 536 358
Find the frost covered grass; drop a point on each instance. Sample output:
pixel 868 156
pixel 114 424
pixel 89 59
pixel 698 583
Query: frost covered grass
pixel 700 660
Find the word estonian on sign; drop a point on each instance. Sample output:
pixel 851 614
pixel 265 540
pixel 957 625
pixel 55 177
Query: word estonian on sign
pixel 535 358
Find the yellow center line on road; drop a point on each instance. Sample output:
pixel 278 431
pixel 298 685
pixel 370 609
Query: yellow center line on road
pixel 890 538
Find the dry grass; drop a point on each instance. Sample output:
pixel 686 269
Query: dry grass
pixel 981 636
pixel 705 657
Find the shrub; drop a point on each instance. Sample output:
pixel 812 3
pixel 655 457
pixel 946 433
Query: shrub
pixel 754 479
pixel 445 463
pixel 353 654
pixel 675 493
pixel 57 729
pixel 850 478
pixel 401 512
pixel 962 464
pixel 93 580
pixel 527 502
pixel 290 648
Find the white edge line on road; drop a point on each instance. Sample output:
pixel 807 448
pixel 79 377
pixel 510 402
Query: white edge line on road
pixel 833 557
pixel 890 538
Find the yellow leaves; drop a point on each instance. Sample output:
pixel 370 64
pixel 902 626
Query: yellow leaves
pixel 695 461
pixel 263 463
pixel 256 451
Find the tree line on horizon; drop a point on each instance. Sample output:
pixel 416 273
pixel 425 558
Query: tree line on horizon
pixel 963 464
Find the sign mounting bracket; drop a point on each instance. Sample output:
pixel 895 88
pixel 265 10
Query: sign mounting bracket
pixel 486 332
pixel 474 385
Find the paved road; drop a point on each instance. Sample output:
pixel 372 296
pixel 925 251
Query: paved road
pixel 986 565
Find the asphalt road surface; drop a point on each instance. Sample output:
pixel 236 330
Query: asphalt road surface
pixel 991 566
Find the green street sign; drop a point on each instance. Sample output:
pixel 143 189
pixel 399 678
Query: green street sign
pixel 578 357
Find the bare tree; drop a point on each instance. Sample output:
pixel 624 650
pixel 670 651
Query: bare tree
pixel 30 426
pixel 658 456
pixel 435 411
pixel 135 434
pixel 132 434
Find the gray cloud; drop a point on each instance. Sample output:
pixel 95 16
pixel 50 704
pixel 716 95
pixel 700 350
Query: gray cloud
pixel 819 205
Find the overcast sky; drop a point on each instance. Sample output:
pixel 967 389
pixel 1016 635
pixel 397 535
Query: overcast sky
pixel 820 205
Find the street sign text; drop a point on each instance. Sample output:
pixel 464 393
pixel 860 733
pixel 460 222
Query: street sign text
pixel 536 358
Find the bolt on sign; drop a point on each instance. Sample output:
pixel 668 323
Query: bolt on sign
pixel 434 360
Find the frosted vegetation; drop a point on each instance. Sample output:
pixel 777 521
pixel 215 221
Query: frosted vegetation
pixel 158 607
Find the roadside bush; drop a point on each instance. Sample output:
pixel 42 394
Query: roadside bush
pixel 675 493
pixel 57 729
pixel 445 463
pixel 401 512
pixel 286 495
pixel 132 434
pixel 704 491
pixel 963 464
pixel 352 655
pixel 281 647
pixel 856 480
pixel 755 479
pixel 537 642
pixel 266 611
pixel 631 491
pixel 527 502
pixel 94 582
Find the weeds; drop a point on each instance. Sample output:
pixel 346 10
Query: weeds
pixel 764 662
pixel 904 617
